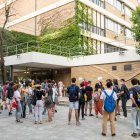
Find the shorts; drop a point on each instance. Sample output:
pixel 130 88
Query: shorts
pixel 89 104
pixel 74 105
pixel 8 101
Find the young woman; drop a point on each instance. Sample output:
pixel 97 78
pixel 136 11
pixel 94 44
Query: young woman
pixel 17 96
pixel 55 96
pixel 38 92
pixel 49 102
pixel 97 102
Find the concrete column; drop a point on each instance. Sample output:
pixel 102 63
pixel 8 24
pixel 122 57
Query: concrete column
pixel 11 73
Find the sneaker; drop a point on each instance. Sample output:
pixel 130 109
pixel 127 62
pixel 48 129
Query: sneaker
pixel 40 123
pixel 91 115
pixel 118 114
pixel 113 135
pixel 10 113
pixel 103 134
pixel 125 118
pixel 122 117
pixel 56 111
pixel 35 122
pixel 134 135
pixel 85 114
pixel 83 118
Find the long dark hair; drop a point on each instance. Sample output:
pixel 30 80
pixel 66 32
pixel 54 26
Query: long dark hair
pixel 115 82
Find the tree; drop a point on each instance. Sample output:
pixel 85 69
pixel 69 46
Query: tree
pixel 7 15
pixel 136 26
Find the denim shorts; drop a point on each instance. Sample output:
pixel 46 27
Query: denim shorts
pixel 74 105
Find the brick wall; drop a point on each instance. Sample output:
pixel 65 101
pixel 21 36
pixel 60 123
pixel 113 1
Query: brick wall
pixel 91 72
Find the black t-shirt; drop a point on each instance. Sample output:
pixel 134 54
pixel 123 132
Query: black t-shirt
pixel 82 98
pixel 124 89
pixel 89 91
pixel 10 92
pixel 39 94
pixel 134 91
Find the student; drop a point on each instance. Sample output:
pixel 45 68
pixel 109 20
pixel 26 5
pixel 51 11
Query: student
pixel 109 98
pixel 61 88
pixel 88 103
pixel 10 94
pixel 17 96
pixel 38 92
pixel 124 97
pixel 135 112
pixel 73 91
pixel 97 102
pixel 81 101
pixel 116 88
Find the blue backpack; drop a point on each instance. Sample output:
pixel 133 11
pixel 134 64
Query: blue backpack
pixel 73 93
pixel 109 104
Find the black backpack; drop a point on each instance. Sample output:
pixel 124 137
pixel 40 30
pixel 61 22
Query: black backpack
pixel 81 98
pixel 34 98
pixel 137 97
pixel 73 93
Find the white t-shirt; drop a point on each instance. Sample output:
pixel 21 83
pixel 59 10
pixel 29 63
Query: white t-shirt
pixel 17 95
pixel 109 92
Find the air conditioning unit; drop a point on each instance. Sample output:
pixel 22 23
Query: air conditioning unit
pixel 123 13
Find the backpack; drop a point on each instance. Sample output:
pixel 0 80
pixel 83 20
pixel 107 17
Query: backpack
pixel 127 93
pixel 137 97
pixel 73 94
pixel 34 98
pixel 81 99
pixel 109 104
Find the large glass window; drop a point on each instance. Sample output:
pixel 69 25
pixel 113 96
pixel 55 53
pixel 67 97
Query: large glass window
pixel 113 26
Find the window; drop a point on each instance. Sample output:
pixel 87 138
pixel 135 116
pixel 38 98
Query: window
pixel 128 11
pixel 128 67
pixel 114 68
pixel 116 3
pixel 113 26
pixel 128 33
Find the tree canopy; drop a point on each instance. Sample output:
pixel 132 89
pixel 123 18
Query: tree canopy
pixel 136 26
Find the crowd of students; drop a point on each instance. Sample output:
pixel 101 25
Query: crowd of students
pixel 36 96
pixel 104 99
pixel 106 102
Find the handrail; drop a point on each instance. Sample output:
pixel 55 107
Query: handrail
pixel 54 49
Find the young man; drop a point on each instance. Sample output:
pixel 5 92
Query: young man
pixel 135 113
pixel 73 91
pixel 10 94
pixel 88 104
pixel 123 93
pixel 109 98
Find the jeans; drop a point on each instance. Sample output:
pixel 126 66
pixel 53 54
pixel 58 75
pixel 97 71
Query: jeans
pixel 38 110
pixel 18 111
pixel 30 107
pixel 124 101
pixel 23 106
pixel 135 114
pixel 81 107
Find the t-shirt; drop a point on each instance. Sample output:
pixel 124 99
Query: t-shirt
pixel 133 93
pixel 60 84
pixel 10 92
pixel 124 89
pixel 17 95
pixel 39 94
pixel 85 83
pixel 109 92
pixel 89 91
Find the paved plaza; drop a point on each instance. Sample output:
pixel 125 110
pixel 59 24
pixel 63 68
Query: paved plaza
pixel 90 129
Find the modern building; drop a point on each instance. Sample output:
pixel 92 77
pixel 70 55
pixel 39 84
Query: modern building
pixel 105 28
